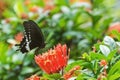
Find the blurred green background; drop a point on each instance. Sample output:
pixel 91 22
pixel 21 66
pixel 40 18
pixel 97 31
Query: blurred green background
pixel 78 23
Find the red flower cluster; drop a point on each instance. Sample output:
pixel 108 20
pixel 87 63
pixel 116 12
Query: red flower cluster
pixel 54 60
pixel 103 74
pixel 103 63
pixel 33 77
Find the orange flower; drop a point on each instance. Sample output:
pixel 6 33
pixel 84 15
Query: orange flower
pixel 3 6
pixel 7 20
pixel 24 16
pixel 33 77
pixel 103 74
pixel 27 2
pixel 114 26
pixel 54 60
pixel 34 9
pixel 49 5
pixel 103 63
pixel 18 37
pixel 70 73
pixel 48 2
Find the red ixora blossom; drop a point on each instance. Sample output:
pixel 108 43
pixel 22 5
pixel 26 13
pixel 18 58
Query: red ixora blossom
pixel 54 60
pixel 103 63
pixel 33 77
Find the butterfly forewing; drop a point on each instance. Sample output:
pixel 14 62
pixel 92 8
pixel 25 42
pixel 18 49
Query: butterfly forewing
pixel 33 37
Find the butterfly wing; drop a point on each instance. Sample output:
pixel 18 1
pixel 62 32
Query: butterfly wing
pixel 22 46
pixel 33 37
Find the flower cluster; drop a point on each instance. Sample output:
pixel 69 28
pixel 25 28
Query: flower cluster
pixel 103 63
pixel 103 74
pixel 54 60
pixel 71 72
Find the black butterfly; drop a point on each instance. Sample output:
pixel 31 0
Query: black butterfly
pixel 33 37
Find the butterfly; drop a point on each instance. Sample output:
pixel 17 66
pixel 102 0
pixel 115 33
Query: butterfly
pixel 33 37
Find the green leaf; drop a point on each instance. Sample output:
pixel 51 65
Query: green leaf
pixel 105 50
pixel 115 59
pixel 116 34
pixel 28 59
pixel 19 8
pixel 114 69
pixel 80 63
pixel 97 3
pixel 84 77
pixel 54 76
pixel 96 18
pixel 80 77
pixel 62 2
pixel 110 42
pixel 27 70
pixel 97 56
pixel 111 54
pixel 114 76
pixel 72 34
pixel 3 52
pixel 8 13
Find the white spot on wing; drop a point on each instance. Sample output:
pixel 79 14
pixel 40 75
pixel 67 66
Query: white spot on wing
pixel 27 46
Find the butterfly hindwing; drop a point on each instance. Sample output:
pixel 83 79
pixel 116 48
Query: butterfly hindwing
pixel 33 37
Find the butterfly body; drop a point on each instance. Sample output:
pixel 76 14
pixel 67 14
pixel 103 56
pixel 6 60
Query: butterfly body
pixel 33 37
